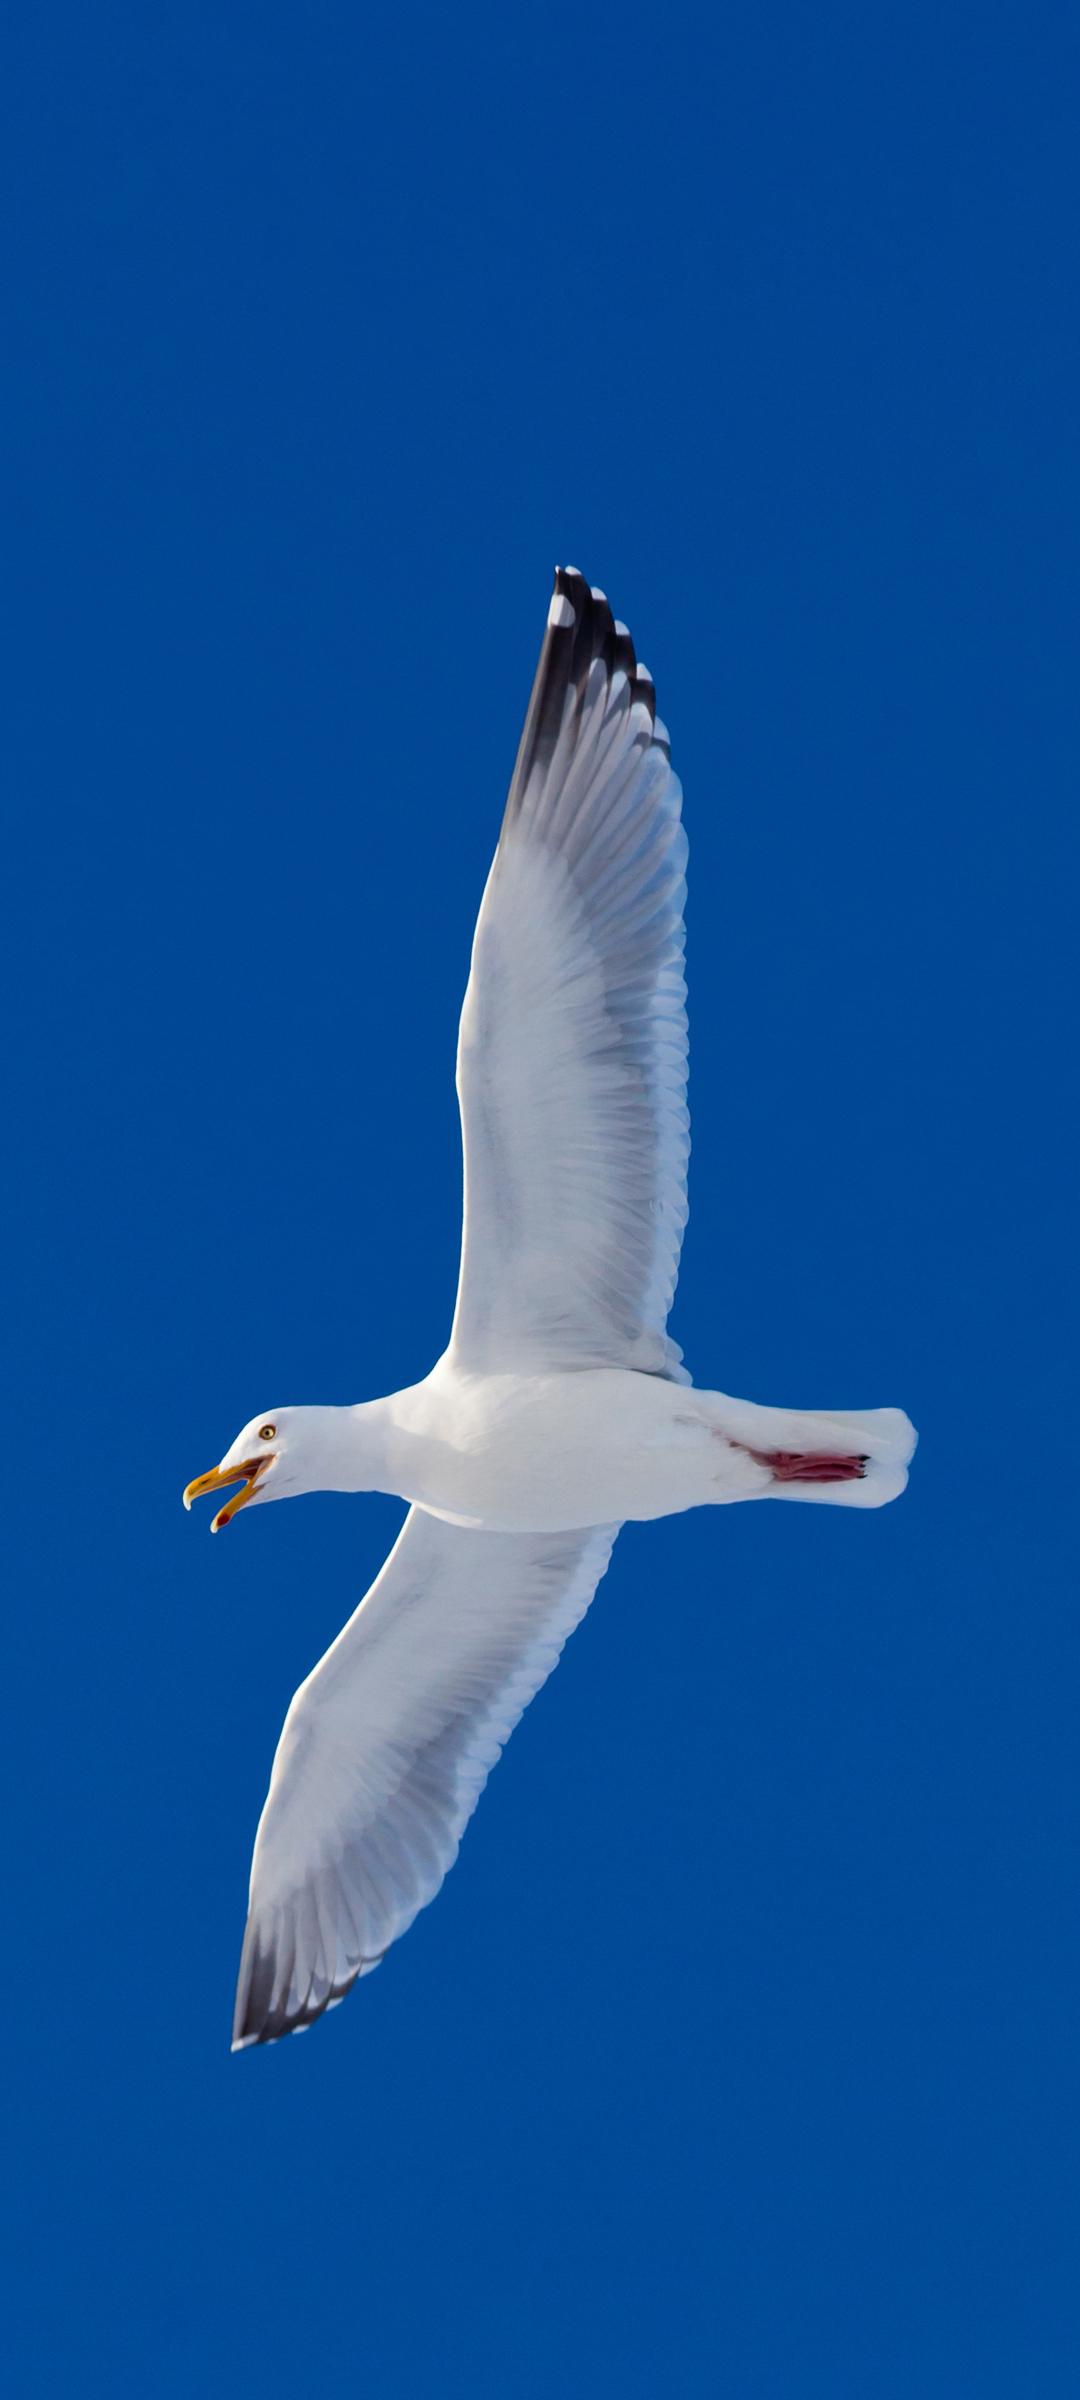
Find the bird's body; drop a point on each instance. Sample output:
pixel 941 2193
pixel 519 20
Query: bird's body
pixel 561 1408
pixel 556 1453
pixel 563 1452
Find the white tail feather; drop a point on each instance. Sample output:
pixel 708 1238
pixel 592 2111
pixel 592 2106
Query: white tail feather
pixel 885 1437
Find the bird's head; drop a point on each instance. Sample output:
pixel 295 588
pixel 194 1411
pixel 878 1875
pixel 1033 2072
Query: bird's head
pixel 291 1450
pixel 266 1460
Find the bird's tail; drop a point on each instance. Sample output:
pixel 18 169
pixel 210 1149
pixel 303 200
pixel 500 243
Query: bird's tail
pixel 853 1458
pixel 860 1460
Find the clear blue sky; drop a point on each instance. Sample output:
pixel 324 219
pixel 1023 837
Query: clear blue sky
pixel 739 2054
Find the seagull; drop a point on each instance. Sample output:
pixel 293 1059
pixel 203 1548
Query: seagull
pixel 561 1408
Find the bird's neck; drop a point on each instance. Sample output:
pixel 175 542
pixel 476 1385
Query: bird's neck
pixel 353 1447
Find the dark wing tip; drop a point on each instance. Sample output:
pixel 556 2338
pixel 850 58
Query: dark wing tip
pixel 262 1971
pixel 580 631
pixel 645 691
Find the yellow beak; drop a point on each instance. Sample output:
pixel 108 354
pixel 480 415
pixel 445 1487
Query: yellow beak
pixel 246 1472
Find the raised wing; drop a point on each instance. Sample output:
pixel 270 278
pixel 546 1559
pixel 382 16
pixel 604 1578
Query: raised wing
pixel 573 1043
pixel 387 1747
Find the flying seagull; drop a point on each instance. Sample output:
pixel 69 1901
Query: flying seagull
pixel 561 1407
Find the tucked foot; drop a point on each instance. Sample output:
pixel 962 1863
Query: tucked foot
pixel 811 1466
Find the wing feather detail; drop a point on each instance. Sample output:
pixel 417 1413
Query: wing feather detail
pixel 573 1043
pixel 387 1747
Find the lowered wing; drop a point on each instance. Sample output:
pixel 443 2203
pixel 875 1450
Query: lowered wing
pixel 387 1747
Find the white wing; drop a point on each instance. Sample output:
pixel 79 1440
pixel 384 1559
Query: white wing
pixel 386 1749
pixel 572 1051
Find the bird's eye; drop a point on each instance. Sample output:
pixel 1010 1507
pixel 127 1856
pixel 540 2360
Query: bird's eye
pixel 267 1432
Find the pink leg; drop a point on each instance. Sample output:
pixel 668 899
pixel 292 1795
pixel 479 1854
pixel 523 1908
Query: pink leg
pixel 810 1466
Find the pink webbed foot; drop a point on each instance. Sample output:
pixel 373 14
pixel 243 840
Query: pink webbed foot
pixel 811 1466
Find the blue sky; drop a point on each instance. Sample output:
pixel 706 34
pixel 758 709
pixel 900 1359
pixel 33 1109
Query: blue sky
pixel 739 2053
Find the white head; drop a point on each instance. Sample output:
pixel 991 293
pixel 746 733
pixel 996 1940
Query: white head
pixel 275 1456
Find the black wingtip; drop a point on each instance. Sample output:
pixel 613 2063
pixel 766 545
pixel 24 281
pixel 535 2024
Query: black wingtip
pixel 256 2021
pixel 581 631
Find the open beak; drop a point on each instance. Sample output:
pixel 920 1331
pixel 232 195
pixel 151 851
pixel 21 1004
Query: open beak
pixel 245 1472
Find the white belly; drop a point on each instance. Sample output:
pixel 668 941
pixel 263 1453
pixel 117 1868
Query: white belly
pixel 544 1454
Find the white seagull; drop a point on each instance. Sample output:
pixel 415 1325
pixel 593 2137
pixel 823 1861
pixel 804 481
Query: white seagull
pixel 561 1407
